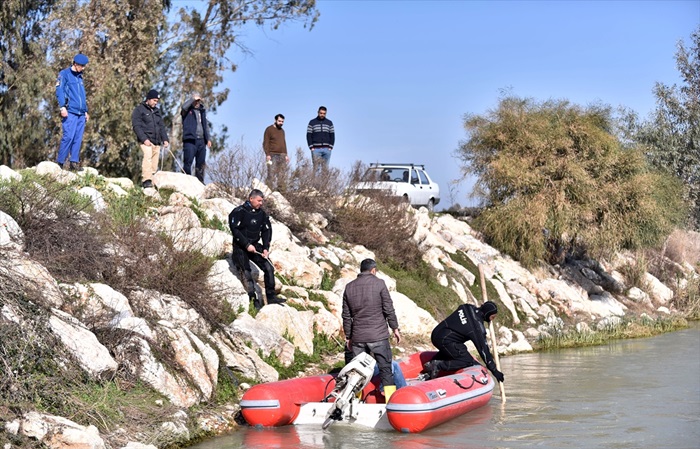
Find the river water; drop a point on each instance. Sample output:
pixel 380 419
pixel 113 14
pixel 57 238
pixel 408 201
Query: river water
pixel 642 393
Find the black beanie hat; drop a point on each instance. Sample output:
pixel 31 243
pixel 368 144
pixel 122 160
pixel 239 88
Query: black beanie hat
pixel 152 94
pixel 487 309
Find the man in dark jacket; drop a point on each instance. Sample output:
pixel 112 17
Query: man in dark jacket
pixel 70 94
pixel 320 136
pixel 151 134
pixel 195 135
pixel 367 307
pixel 450 336
pixel 249 225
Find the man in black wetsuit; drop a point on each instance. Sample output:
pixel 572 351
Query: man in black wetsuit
pixel 249 224
pixel 450 336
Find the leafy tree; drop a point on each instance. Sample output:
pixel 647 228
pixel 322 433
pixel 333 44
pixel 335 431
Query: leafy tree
pixel 554 178
pixel 122 39
pixel 673 133
pixel 24 76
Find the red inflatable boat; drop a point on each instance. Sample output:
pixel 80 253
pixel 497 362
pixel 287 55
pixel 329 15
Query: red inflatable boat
pixel 420 405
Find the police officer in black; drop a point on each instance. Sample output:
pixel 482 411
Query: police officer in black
pixel 465 323
pixel 249 224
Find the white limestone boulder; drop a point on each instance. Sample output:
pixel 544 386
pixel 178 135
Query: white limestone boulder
pixel 135 355
pixel 179 182
pixel 657 290
pixel 92 356
pixel 169 308
pixel 242 359
pixel 194 357
pixel 11 235
pixel 226 285
pixel 299 325
pixel 56 432
pixel 7 174
pixel 412 319
pixel 261 337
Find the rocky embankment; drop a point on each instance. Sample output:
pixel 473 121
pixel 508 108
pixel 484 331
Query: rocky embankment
pixel 584 295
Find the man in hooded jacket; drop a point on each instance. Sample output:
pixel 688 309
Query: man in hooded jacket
pixel 449 337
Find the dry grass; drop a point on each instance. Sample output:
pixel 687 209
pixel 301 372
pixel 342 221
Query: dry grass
pixel 684 247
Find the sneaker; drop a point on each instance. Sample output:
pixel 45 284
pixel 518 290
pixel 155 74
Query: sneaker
pixel 147 184
pixel 75 166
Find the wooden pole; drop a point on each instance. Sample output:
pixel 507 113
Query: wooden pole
pixel 492 333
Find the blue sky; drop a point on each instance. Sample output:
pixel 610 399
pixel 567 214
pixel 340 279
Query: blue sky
pixel 397 77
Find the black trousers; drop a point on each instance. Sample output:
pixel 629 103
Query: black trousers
pixel 452 352
pixel 381 351
pixel 195 150
pixel 242 259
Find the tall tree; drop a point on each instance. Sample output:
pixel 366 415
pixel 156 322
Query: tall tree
pixel 24 79
pixel 555 178
pixel 673 133
pixel 122 40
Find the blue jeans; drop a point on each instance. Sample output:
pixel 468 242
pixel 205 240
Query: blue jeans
pixel 73 129
pixel 195 149
pixel 399 380
pixel 321 157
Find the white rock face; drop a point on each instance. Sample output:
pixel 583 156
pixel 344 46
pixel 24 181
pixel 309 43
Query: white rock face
pixel 124 183
pixel 217 208
pixel 134 353
pixel 60 433
pixel 226 285
pixel 11 235
pixel 412 319
pixel 298 325
pixel 243 359
pixel 180 182
pixel 658 291
pixel 33 276
pixel 92 356
pixel 95 196
pixel 169 308
pixel 189 350
pixel 262 337
pixel 7 174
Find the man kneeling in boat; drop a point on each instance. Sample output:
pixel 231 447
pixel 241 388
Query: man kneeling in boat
pixel 449 337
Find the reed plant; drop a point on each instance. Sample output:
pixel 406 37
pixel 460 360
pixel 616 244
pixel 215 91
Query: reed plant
pixel 638 327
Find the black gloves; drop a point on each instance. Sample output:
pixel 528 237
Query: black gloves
pixel 497 374
pixel 491 365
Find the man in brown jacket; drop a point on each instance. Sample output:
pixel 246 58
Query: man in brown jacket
pixel 275 148
pixel 367 307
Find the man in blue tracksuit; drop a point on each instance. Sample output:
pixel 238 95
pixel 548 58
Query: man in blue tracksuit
pixel 70 93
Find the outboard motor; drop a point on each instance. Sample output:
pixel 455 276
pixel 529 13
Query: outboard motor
pixel 351 380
